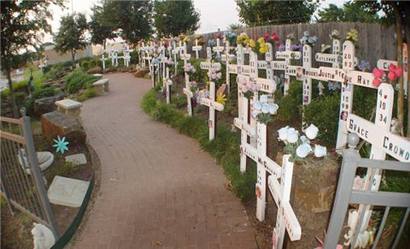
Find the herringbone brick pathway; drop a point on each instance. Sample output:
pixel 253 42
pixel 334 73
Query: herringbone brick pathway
pixel 158 189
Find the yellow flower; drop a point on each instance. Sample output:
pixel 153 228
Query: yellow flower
pixel 352 35
pixel 243 39
pixel 261 40
pixel 221 98
pixel 251 43
pixel 264 48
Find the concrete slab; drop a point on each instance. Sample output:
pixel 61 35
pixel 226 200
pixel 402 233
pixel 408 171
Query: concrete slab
pixel 76 159
pixel 67 191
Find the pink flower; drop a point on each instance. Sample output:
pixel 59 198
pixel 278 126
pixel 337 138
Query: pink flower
pixel 398 71
pixel 391 75
pixel 378 73
pixel 275 37
pixel 266 36
pixel 377 82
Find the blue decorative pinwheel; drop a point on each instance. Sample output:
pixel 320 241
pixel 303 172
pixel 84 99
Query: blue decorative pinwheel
pixel 61 144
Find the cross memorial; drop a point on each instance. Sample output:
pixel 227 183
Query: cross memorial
pixel 196 48
pixel 285 65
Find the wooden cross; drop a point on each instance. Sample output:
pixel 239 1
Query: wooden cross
pixel 196 48
pixel 167 83
pixel 287 55
pixel 127 56
pixel 307 81
pixel 230 68
pixel 114 58
pixel 213 106
pixel 103 60
pixel 187 89
pixel 218 48
pixel 285 218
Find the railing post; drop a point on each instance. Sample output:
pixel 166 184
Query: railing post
pixel 343 193
pixel 37 175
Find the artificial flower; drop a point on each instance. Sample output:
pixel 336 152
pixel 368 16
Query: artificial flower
pixel 292 136
pixel 352 35
pixel 283 133
pixel 261 40
pixel 312 131
pixel 221 98
pixel 303 150
pixel 325 48
pixel 251 43
pixel 304 139
pixel 364 65
pixel 242 39
pixel 378 74
pixel 264 48
pixel 320 151
pixel 275 37
pixel 394 72
pixel 335 34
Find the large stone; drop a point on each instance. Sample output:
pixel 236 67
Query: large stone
pixel 56 124
pixel 69 107
pixel 67 191
pixel 76 159
pixel 101 86
pixel 46 104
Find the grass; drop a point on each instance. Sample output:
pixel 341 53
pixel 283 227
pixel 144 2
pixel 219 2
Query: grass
pixel 225 147
pixel 88 93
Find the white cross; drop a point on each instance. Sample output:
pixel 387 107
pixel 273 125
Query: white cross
pixel 114 58
pixel 213 105
pixel 287 55
pixel 230 68
pixel 218 48
pixel 103 60
pixel 127 56
pixel 187 89
pixel 197 48
pixel 174 55
pixel 167 83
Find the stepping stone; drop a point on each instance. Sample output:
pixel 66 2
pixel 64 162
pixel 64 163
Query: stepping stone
pixel 69 107
pixel 67 191
pixel 98 75
pixel 76 159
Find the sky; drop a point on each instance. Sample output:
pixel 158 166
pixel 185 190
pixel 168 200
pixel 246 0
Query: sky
pixel 215 14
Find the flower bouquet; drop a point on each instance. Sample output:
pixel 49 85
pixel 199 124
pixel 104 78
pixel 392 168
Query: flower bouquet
pixel 299 147
pixel 214 75
pixel 307 39
pixel 263 110
pixel 242 39
pixel 231 38
pixel 247 87
pixel 395 72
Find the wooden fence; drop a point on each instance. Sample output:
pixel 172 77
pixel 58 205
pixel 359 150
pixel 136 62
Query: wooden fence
pixel 375 41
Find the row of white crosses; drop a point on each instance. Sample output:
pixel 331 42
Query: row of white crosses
pixel 196 48
pixel 227 57
pixel 286 218
pixel 210 101
pixel 187 89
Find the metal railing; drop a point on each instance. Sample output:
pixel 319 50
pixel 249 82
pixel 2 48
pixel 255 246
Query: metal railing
pixel 346 194
pixel 22 182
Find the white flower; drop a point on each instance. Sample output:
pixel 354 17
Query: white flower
pixel 320 151
pixel 304 140
pixel 264 98
pixel 273 108
pixel 292 136
pixel 312 131
pixel 265 108
pixel 283 133
pixel 257 106
pixel 303 150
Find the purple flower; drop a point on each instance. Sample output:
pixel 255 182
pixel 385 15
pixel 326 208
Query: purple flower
pixel 364 66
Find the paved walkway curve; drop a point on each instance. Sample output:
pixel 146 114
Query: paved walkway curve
pixel 158 189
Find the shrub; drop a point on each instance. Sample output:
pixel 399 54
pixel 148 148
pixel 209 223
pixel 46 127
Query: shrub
pixel 47 91
pixel 324 113
pixel 77 80
pixel 55 72
pixel 87 94
pixel 225 147
pixel 289 105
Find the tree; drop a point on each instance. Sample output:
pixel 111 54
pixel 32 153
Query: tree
pixel 100 28
pixel 264 12
pixel 132 19
pixel 349 12
pixel 175 17
pixel 21 24
pixel 71 35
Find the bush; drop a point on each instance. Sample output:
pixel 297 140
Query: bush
pixel 324 113
pixel 225 147
pixel 77 80
pixel 38 94
pixel 290 105
pixel 87 94
pixel 55 72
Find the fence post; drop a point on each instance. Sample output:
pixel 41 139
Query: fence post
pixel 37 175
pixel 343 192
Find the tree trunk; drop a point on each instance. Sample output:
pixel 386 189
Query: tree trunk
pixel 12 97
pixel 400 100
pixel 73 58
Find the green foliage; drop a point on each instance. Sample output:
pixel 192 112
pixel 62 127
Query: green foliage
pixel 55 72
pixel 132 18
pixel 324 113
pixel 289 105
pixel 257 13
pixel 350 12
pixel 39 93
pixel 71 35
pixel 225 147
pixel 100 28
pixel 87 94
pixel 88 62
pixel 77 80
pixel 173 18
pixel 62 169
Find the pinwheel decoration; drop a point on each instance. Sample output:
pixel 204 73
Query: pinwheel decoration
pixel 60 144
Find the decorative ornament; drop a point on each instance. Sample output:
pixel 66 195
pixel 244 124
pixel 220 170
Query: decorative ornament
pixel 61 144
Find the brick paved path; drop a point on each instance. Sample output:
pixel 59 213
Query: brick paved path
pixel 158 189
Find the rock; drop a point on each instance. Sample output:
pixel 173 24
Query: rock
pixel 69 107
pixel 67 191
pixel 56 124
pixel 94 70
pixel 141 73
pixel 46 104
pixel 76 159
pixel 101 86
pixel 43 237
